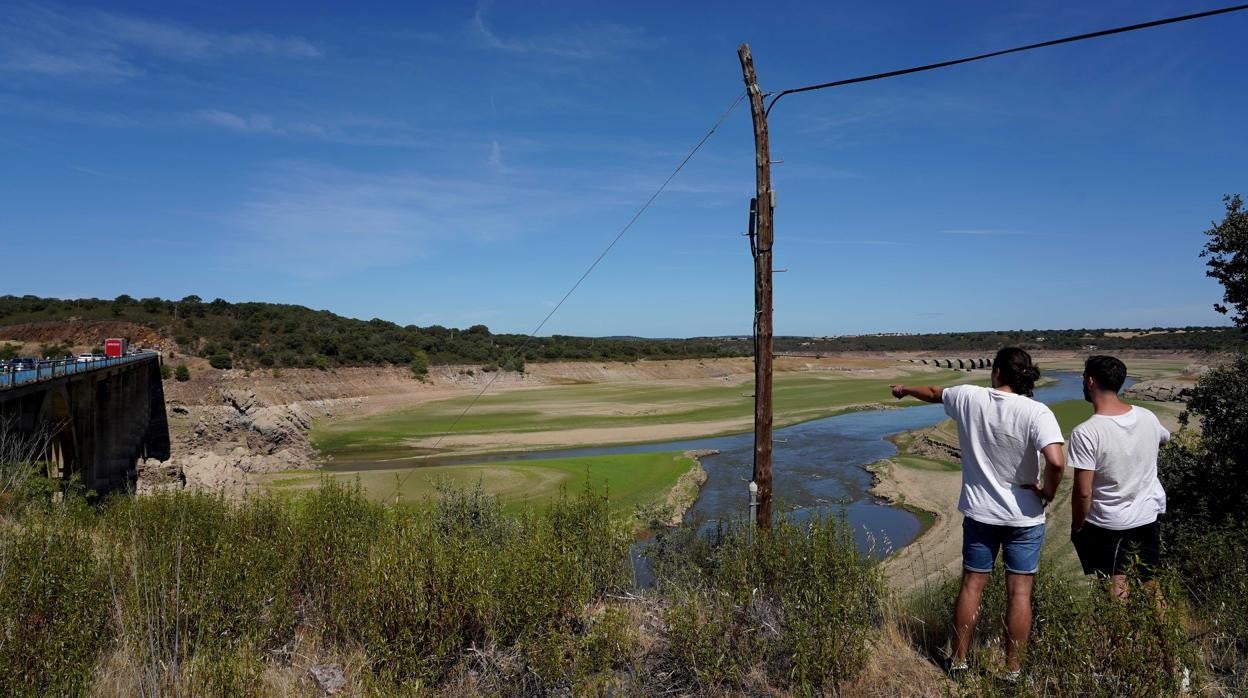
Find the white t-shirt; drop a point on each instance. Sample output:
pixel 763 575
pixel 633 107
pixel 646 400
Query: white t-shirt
pixel 1122 449
pixel 1001 435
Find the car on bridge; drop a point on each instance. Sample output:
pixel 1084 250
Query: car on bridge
pixel 85 358
pixel 23 363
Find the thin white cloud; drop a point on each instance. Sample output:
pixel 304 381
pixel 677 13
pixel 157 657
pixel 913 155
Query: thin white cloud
pixel 236 122
pixel 869 242
pixel 53 41
pixel 495 159
pixel 96 173
pixel 1002 232
pixel 582 43
pixel 258 123
pixel 313 221
pixel 345 130
pixel 983 231
pixel 176 41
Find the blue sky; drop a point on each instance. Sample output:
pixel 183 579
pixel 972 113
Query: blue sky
pixel 462 163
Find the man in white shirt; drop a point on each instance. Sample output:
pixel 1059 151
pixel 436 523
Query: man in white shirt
pixel 1117 495
pixel 1001 431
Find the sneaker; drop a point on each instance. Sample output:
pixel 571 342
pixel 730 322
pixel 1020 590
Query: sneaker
pixel 1012 676
pixel 956 669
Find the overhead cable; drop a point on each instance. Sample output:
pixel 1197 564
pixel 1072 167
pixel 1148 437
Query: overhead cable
pixel 994 54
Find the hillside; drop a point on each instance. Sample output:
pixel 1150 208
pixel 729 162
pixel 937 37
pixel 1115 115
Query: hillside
pixel 291 336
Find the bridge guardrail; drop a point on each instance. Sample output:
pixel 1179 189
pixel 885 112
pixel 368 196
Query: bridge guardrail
pixel 47 370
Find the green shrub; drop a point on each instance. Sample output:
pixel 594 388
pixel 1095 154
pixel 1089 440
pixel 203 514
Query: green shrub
pixel 799 603
pixel 182 374
pixel 514 363
pixel 53 607
pixel 336 527
pixel 197 577
pixel 464 575
pixel 166 371
pixel 220 361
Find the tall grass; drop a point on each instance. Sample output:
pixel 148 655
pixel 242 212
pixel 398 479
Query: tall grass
pixel 1083 641
pixel 1213 567
pixel 189 593
pixel 53 607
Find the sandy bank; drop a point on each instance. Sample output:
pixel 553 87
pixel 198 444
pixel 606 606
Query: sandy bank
pixel 937 552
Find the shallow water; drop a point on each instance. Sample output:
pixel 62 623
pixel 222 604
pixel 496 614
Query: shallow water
pixel 817 467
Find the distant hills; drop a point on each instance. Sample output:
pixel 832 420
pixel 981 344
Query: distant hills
pixel 278 335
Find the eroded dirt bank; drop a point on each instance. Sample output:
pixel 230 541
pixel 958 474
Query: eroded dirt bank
pixel 228 425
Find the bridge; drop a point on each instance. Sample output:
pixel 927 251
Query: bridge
pixel 964 363
pixel 98 418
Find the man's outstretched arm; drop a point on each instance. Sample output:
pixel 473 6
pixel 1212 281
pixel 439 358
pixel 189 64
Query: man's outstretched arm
pixel 926 393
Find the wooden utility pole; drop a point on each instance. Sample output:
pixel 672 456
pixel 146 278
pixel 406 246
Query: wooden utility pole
pixel 762 293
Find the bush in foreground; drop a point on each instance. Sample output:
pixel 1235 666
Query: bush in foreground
pixel 190 593
pixel 797 605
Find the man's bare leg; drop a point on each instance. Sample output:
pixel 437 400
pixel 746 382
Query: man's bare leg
pixel 1017 617
pixel 1118 588
pixel 966 611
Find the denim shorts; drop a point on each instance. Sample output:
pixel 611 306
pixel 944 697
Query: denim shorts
pixel 1020 546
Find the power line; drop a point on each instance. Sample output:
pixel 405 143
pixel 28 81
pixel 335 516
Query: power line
pixel 593 265
pixel 994 54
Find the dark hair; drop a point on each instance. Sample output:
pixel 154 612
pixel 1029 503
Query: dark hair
pixel 1108 372
pixel 1016 370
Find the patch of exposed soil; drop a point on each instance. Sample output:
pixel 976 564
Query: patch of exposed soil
pixel 83 335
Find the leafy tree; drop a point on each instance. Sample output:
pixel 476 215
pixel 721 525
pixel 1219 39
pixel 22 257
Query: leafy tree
pixel 420 364
pixel 55 351
pixel 8 351
pixel 1227 255
pixel 514 363
pixel 1206 478
pixel 182 374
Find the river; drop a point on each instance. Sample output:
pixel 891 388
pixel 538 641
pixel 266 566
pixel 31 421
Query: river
pixel 817 467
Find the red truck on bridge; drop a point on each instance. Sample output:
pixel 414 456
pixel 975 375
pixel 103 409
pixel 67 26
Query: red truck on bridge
pixel 115 348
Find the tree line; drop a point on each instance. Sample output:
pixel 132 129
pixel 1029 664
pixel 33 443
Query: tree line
pixel 1211 339
pixel 291 336
pixel 278 335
